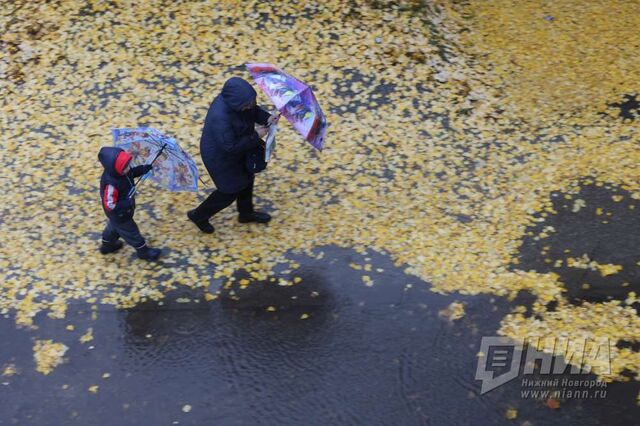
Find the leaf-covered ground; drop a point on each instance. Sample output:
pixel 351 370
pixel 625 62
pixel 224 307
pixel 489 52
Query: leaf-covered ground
pixel 451 126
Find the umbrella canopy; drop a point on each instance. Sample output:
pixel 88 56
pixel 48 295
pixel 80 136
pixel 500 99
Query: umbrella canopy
pixel 294 99
pixel 173 169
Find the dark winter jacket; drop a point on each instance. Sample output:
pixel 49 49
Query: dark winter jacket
pixel 229 134
pixel 115 186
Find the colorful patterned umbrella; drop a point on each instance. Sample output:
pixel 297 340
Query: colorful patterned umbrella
pixel 294 100
pixel 173 169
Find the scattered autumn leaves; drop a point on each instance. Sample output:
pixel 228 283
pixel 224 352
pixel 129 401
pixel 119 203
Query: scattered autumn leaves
pixel 48 355
pixel 450 127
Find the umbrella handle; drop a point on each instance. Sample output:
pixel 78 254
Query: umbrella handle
pixel 134 188
pixel 158 154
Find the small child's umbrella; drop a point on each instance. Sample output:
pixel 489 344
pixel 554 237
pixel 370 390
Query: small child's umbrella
pixel 173 168
pixel 294 99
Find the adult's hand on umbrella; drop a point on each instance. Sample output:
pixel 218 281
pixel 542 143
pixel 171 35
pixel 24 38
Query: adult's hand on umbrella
pixel 262 131
pixel 273 119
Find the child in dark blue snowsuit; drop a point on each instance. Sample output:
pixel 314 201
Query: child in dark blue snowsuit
pixel 115 184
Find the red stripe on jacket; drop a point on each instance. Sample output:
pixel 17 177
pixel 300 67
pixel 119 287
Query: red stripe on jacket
pixel 110 197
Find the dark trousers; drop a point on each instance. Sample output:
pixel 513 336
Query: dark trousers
pixel 220 200
pixel 128 230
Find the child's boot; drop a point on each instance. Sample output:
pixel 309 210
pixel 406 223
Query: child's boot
pixel 110 246
pixel 147 253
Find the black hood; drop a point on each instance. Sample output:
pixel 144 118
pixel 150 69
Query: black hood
pixel 237 93
pixel 107 157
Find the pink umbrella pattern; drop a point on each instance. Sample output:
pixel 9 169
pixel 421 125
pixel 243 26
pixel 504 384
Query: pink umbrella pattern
pixel 294 100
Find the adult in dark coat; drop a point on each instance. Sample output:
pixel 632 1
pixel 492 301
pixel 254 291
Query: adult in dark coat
pixel 228 135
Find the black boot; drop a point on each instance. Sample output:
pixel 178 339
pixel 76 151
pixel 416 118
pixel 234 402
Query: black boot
pixel 109 247
pixel 147 253
pixel 257 217
pixel 204 225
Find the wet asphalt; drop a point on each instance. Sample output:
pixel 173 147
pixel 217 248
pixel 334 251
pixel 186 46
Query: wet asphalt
pixel 364 355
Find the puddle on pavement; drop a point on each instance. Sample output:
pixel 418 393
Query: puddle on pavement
pixel 599 224
pixel 365 355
